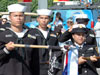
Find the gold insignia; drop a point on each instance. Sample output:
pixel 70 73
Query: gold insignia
pixel 96 48
pixel 80 26
pixel 31 36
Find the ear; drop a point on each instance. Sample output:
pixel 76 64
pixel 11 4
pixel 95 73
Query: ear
pixel 72 35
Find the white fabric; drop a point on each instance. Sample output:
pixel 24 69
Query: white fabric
pixel 81 16
pixel 6 51
pixel 98 43
pixel 79 26
pixel 5 16
pixel 74 62
pixel 21 34
pixel 72 66
pixel 79 45
pixel 45 33
pixel 58 23
pixel 97 29
pixel 44 12
pixel 16 8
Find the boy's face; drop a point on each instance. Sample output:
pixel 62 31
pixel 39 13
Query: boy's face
pixel 43 20
pixel 69 23
pixel 16 18
pixel 79 38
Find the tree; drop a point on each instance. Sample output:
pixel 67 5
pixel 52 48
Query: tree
pixel 5 3
pixel 34 5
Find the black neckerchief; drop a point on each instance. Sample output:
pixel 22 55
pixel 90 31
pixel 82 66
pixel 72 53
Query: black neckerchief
pixel 19 41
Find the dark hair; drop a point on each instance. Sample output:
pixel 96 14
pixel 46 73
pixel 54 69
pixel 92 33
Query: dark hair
pixel 98 17
pixel 4 18
pixel 58 14
pixel 81 20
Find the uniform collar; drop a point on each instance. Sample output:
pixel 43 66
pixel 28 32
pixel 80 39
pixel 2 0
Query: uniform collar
pixel 80 46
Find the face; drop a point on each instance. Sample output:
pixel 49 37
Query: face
pixel 4 21
pixel 79 38
pixel 43 21
pixel 98 19
pixel 57 18
pixel 17 19
pixel 69 23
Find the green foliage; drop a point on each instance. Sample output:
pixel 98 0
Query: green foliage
pixel 50 3
pixel 5 3
pixel 34 5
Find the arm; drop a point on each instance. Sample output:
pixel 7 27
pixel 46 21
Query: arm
pixel 90 38
pixel 96 61
pixel 5 50
pixel 65 36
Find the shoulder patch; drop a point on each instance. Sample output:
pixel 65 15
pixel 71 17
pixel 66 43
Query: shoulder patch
pixel 31 36
pixel 90 48
pixel 2 29
pixel 8 35
pixel 92 35
pixel 53 35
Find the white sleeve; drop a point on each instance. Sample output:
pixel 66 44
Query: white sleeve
pixel 6 51
pixel 97 26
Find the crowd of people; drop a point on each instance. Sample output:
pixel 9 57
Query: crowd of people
pixel 76 47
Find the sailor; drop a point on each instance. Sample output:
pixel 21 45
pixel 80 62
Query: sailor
pixel 45 37
pixel 18 61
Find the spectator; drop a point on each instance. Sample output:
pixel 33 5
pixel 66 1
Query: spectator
pixel 70 22
pixel 4 23
pixel 58 24
pixel 97 31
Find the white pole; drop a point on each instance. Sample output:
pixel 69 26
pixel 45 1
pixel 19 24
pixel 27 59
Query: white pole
pixel 42 4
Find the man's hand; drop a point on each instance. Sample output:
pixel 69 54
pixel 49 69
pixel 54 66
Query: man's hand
pixel 10 46
pixel 81 60
pixel 93 58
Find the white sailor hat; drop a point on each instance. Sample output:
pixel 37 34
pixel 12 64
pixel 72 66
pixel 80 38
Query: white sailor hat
pixel 5 16
pixel 44 12
pixel 80 18
pixel 16 8
pixel 78 28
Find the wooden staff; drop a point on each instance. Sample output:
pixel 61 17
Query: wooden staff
pixel 30 46
pixel 26 13
pixel 37 46
pixel 88 58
